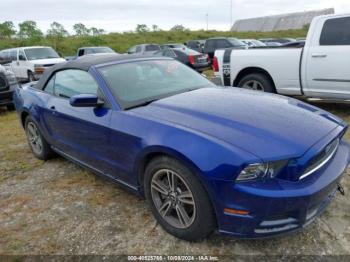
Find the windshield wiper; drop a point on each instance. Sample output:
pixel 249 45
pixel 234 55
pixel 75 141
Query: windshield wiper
pixel 142 104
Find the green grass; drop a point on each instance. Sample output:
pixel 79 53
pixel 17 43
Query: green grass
pixel 120 42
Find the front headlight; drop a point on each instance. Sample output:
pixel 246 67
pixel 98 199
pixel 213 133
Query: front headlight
pixel 261 170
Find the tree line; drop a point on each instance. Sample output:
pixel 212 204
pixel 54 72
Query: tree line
pixel 29 29
pixel 28 33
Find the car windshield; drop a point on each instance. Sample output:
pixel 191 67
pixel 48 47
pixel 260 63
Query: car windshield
pixel 136 83
pixel 40 53
pixel 236 42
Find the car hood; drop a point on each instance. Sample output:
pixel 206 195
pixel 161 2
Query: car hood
pixel 268 126
pixel 48 61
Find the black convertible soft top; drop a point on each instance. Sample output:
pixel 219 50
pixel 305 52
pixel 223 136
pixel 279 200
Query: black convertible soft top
pixel 85 63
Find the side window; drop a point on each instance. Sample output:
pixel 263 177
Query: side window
pixel 210 44
pixel 13 55
pixel 222 43
pixel 169 53
pixel 89 51
pixel 2 56
pixel 336 31
pixel 81 52
pixel 132 50
pixel 49 88
pixel 138 49
pixel 21 56
pixel 6 56
pixel 72 82
pixel 192 45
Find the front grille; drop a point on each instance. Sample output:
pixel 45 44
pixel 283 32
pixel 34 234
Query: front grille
pixel 321 159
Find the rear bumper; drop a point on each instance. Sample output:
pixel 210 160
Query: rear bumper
pixel 6 97
pixel 201 67
pixel 279 206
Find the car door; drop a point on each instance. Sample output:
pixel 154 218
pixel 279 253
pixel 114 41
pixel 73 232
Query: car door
pixel 79 132
pixel 13 55
pixel 328 61
pixel 22 64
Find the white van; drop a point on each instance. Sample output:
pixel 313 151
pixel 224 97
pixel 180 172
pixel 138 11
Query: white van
pixel 29 63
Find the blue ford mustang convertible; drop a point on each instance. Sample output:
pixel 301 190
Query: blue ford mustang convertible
pixel 241 162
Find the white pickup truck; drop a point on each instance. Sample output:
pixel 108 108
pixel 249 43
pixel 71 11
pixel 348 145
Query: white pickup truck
pixel 319 70
pixel 29 63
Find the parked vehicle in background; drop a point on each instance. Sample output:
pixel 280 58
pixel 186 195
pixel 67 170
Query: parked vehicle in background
pixel 8 84
pixel 144 49
pixel 29 63
pixel 213 44
pixel 273 44
pixel 296 44
pixel 207 159
pixel 174 46
pixel 192 58
pixel 277 40
pixel 252 43
pixel 319 70
pixel 91 50
pixel 301 39
pixel 196 45
pixel 94 50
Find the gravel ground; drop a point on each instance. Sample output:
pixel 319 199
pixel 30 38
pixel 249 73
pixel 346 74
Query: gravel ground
pixel 55 207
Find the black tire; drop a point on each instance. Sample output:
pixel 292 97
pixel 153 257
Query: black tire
pixel 204 221
pixel 11 107
pixel 31 77
pixel 263 80
pixel 46 152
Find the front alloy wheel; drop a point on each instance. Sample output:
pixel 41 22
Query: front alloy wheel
pixel 173 198
pixel 178 200
pixel 253 85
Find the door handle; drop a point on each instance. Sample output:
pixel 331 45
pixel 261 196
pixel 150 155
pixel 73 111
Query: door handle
pixel 53 108
pixel 319 55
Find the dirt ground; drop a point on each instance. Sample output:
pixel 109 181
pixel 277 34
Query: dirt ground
pixel 55 207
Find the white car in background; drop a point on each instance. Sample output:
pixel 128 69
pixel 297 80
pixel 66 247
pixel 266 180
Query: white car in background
pixel 318 70
pixel 29 63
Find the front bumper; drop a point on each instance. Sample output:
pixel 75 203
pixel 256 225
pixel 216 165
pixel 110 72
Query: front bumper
pixel 279 206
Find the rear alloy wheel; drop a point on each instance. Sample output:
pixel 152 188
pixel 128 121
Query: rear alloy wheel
pixel 257 82
pixel 254 85
pixel 40 148
pixel 178 200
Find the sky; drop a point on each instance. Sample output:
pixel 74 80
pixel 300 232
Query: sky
pixel 124 15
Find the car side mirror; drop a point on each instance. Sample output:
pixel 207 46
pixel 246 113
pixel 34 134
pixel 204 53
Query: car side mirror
pixel 85 100
pixel 21 58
